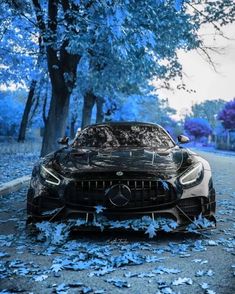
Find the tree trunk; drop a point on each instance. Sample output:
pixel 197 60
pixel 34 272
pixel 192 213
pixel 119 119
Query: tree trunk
pixel 89 101
pixel 56 122
pixel 44 116
pixel 62 68
pixel 72 128
pixel 27 109
pixel 99 113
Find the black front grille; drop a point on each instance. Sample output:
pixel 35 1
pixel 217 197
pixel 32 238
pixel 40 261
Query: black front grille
pixel 144 193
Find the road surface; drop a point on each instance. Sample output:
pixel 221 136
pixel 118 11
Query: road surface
pixel 122 262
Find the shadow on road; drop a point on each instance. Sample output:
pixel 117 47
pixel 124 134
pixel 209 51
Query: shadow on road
pixel 132 236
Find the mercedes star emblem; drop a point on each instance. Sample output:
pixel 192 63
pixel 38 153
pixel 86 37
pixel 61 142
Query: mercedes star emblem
pixel 119 173
pixel 119 195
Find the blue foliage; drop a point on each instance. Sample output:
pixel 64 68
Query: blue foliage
pixel 178 4
pixel 227 115
pixel 10 115
pixel 197 127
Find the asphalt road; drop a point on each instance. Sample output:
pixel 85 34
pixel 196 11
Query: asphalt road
pixel 121 262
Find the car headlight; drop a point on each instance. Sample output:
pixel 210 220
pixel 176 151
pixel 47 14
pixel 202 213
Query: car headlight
pixel 192 175
pixel 49 176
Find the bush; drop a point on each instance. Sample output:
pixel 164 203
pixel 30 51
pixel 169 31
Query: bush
pixel 227 115
pixel 197 127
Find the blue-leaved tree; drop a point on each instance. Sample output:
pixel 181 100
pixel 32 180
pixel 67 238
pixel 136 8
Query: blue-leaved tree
pixel 11 111
pixel 227 115
pixel 106 48
pixel 21 56
pixel 197 127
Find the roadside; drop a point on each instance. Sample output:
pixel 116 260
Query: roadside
pixel 213 150
pixel 17 160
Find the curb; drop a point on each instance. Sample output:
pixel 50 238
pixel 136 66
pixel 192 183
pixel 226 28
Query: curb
pixel 14 185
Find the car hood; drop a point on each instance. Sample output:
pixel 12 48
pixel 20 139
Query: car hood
pixel 70 161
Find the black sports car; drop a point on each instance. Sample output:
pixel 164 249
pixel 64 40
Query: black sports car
pixel 132 169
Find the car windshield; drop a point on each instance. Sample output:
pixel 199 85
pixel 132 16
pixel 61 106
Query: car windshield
pixel 104 136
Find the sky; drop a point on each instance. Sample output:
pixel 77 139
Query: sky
pixel 201 77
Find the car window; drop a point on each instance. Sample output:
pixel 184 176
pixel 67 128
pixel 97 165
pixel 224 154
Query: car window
pixel 125 135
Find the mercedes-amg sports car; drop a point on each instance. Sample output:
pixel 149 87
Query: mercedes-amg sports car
pixel 131 169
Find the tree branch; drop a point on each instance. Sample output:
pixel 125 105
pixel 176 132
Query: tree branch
pixel 206 18
pixel 39 17
pixel 208 57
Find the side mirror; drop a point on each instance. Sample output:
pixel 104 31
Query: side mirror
pixel 183 139
pixel 63 141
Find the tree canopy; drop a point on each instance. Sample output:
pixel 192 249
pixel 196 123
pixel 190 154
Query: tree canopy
pixel 105 50
pixel 208 110
pixel 197 127
pixel 227 115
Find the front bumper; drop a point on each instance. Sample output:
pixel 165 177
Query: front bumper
pixel 184 211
